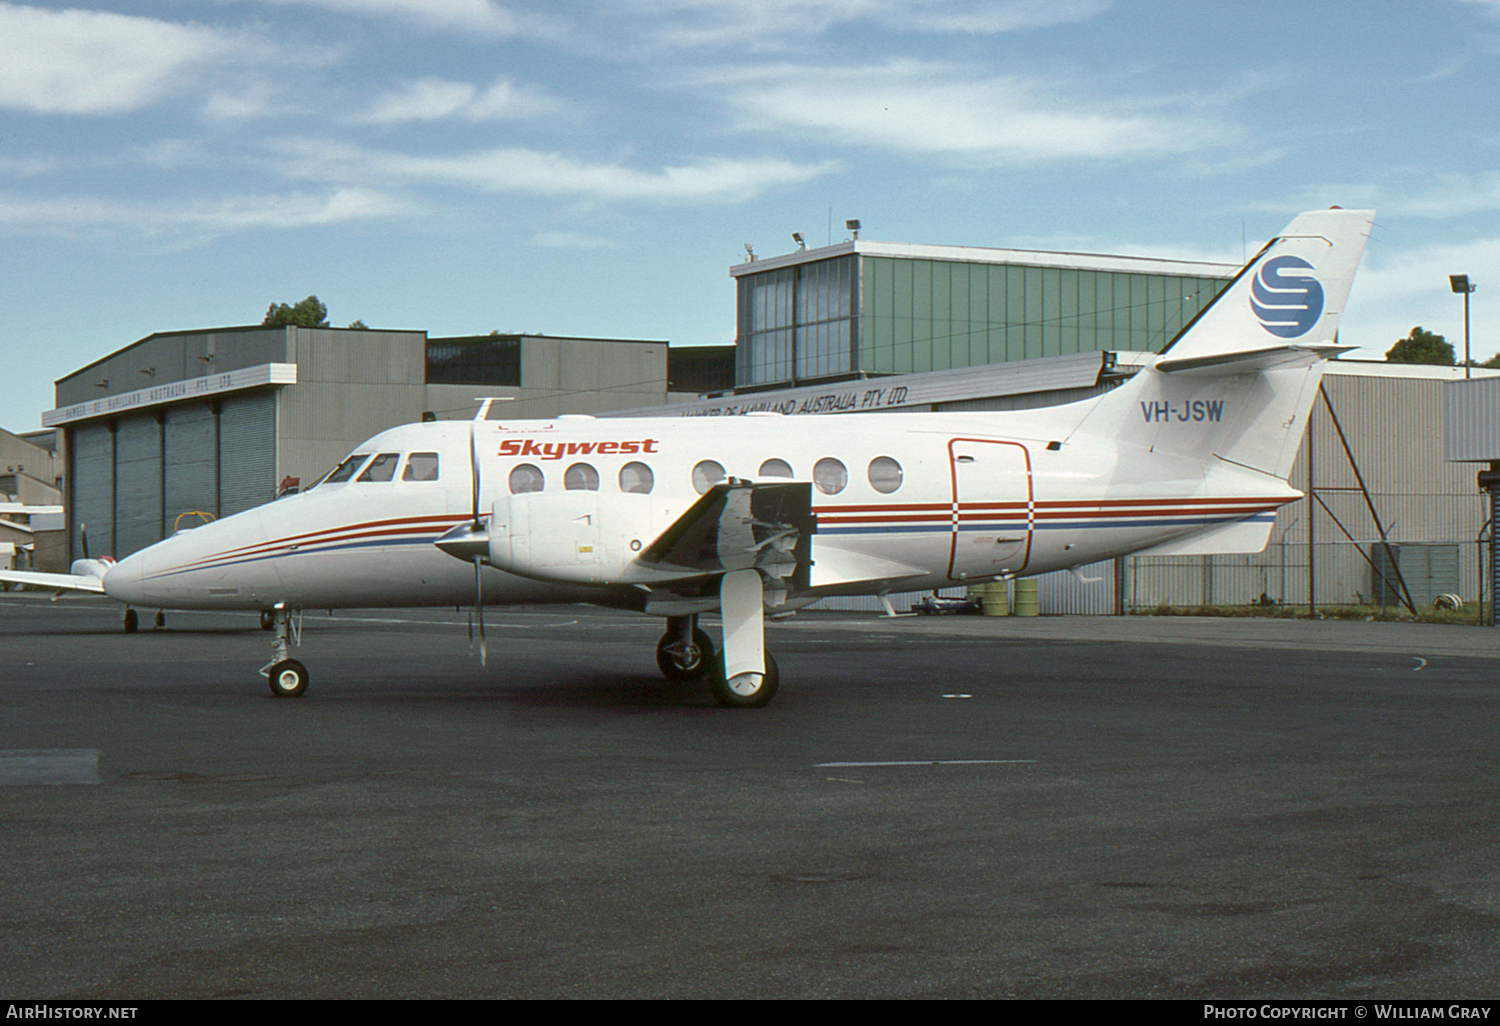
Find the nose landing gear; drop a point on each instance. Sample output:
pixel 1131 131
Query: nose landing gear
pixel 288 678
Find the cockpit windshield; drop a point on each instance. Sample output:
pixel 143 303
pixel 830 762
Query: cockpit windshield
pixel 381 468
pixel 345 470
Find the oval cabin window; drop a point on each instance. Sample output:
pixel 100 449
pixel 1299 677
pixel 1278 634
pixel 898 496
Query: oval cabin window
pixel 884 474
pixel 581 477
pixel 830 476
pixel 707 474
pixel 526 478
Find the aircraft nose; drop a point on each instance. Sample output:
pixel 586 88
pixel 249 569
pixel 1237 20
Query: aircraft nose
pixel 125 581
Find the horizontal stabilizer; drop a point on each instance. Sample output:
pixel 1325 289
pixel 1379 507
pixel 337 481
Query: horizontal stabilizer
pixel 1242 536
pixel 1294 355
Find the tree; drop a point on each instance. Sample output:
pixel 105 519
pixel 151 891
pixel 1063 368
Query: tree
pixel 307 314
pixel 1422 347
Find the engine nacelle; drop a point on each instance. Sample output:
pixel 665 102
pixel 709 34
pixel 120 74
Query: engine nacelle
pixel 579 537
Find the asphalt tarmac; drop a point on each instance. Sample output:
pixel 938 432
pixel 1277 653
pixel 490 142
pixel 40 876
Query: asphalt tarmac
pixel 932 807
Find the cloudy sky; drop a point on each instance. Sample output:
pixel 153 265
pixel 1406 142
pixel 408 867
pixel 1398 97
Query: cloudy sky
pixel 593 167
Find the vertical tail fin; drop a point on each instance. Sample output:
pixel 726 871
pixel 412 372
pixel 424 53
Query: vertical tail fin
pixel 1237 383
pixel 1289 298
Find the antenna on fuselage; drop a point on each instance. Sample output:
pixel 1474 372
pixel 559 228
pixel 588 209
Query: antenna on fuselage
pixel 484 401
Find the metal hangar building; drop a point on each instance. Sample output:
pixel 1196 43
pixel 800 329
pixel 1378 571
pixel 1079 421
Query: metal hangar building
pixel 186 425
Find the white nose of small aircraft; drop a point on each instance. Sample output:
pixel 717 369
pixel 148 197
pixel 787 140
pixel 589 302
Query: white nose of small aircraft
pixel 124 581
pixel 218 565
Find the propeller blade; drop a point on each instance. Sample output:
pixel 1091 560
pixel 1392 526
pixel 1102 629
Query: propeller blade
pixel 474 474
pixel 479 611
pixel 83 539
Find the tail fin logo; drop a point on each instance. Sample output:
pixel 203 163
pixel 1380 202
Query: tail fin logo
pixel 1286 303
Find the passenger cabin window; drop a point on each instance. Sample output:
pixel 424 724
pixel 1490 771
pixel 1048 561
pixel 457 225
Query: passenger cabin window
pixel 421 466
pixel 884 474
pixel 776 468
pixel 345 470
pixel 706 474
pixel 636 477
pixel 830 476
pixel 581 477
pixel 526 478
pixel 381 468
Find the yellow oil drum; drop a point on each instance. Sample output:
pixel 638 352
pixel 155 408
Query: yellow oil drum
pixel 1026 603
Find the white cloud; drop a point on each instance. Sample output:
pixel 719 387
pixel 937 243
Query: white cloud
pixel 532 172
pixel 571 240
pixel 483 17
pixel 1397 288
pixel 1452 195
pixel 94 62
pixel 770 25
pixel 434 99
pixel 65 215
pixel 925 107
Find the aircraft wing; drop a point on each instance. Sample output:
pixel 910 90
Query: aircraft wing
pixel 835 568
pixel 58 582
pixel 739 525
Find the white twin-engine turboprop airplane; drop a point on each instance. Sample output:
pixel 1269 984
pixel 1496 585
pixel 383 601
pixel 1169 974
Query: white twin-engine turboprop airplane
pixel 677 517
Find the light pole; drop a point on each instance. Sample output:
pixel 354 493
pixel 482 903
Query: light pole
pixel 1460 283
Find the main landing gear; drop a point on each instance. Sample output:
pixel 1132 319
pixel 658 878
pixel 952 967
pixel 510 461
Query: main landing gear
pixel 684 653
pixel 287 677
pixel 132 620
pixel 744 675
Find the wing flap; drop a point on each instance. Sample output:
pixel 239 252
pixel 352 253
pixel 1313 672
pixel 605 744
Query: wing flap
pixel 739 525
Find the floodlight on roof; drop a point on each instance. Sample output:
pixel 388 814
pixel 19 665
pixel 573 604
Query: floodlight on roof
pixel 1460 283
pixel 797 238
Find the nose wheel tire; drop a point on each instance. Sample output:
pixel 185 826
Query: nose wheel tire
pixel 288 679
pixel 744 690
pixel 676 664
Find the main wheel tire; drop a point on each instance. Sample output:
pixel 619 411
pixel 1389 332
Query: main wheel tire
pixel 676 670
pixel 746 690
pixel 132 621
pixel 288 679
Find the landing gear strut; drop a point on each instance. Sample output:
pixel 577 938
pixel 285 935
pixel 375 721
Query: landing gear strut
pixel 746 677
pixel 287 677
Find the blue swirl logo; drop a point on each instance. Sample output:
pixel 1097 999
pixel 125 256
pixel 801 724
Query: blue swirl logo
pixel 1286 303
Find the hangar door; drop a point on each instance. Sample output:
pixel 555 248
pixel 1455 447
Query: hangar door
pixel 91 488
pixel 247 452
pixel 133 478
pixel 190 477
pixel 137 483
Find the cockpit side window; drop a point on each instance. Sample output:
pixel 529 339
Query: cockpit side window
pixel 345 470
pixel 381 468
pixel 421 466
